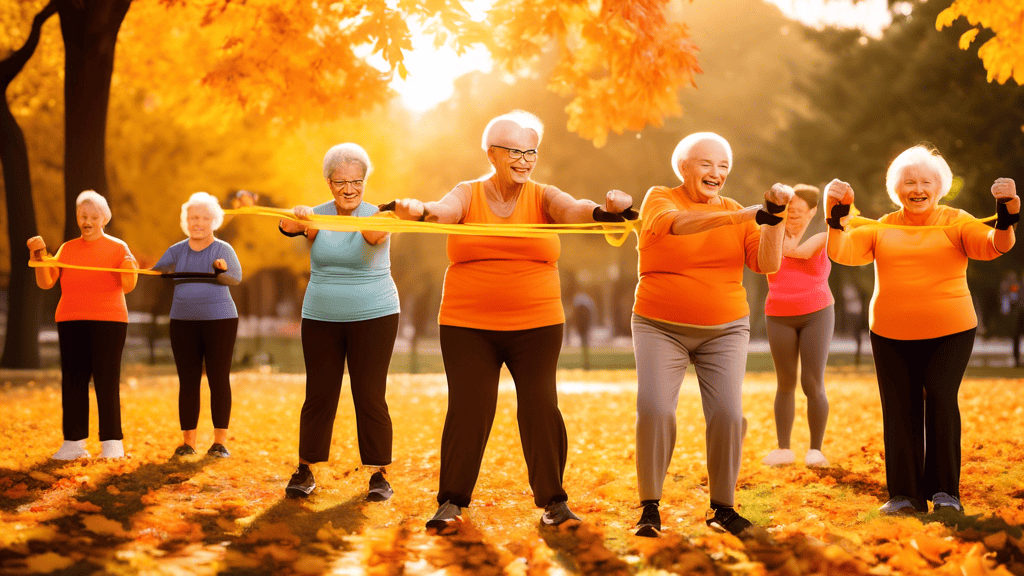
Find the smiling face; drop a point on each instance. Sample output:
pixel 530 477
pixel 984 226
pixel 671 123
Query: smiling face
pixel 200 223
pixel 346 184
pixel 90 221
pixel 705 169
pixel 919 188
pixel 798 215
pixel 508 134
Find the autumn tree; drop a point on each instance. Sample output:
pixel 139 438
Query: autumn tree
pixel 1003 52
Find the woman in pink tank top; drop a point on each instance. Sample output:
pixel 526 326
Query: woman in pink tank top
pixel 800 317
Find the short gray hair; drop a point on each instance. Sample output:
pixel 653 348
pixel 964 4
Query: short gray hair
pixel 346 153
pixel 915 155
pixel 520 118
pixel 682 151
pixel 98 201
pixel 205 200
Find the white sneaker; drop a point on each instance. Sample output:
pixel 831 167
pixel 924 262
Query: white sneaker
pixel 112 449
pixel 71 450
pixel 779 457
pixel 815 459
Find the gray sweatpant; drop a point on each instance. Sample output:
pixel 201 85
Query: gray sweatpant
pixel 719 355
pixel 803 340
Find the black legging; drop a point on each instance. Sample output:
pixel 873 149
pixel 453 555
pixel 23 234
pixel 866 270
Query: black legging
pixel 91 349
pixel 193 341
pixel 368 345
pixel 919 381
pixel 472 363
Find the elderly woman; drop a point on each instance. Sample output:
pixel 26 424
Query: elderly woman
pixel 502 305
pixel 691 307
pixel 350 312
pixel 922 318
pixel 204 321
pixel 800 316
pixel 92 323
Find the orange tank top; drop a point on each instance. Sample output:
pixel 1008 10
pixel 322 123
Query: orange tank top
pixel 89 295
pixel 496 283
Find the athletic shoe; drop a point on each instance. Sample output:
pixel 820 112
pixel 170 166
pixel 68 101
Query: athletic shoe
pixel 779 457
pixel 898 506
pixel 301 484
pixel 556 513
pixel 943 501
pixel 650 521
pixel 219 451
pixel 184 450
pixel 380 489
pixel 815 459
pixel 71 450
pixel 112 449
pixel 447 516
pixel 726 519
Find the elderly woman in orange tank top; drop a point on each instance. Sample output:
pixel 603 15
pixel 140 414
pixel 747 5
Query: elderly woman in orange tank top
pixel 502 305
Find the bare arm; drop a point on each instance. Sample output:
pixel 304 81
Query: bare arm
pixel 688 222
pixel 129 279
pixel 448 210
pixel 769 250
pixel 562 208
pixel 810 247
pixel 1005 189
pixel 47 277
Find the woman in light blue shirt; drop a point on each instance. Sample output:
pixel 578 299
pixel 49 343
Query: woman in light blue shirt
pixel 204 321
pixel 350 312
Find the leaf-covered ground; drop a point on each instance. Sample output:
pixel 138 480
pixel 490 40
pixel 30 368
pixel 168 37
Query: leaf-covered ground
pixel 151 514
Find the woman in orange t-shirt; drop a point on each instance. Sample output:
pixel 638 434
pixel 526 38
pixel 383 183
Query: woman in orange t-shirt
pixel 92 323
pixel 922 317
pixel 502 305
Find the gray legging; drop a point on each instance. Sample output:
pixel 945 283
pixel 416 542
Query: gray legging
pixel 719 355
pixel 803 340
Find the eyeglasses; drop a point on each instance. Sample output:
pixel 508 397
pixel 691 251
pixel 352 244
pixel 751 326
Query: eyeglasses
pixel 516 154
pixel 342 184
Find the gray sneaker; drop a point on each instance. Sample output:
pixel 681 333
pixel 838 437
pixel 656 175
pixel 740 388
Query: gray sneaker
pixel 943 501
pixel 447 516
pixel 898 506
pixel 557 513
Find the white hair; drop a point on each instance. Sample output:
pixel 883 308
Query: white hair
pixel 346 153
pixel 914 156
pixel 98 202
pixel 682 151
pixel 521 118
pixel 204 200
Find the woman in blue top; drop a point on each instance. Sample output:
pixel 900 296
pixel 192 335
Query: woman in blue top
pixel 204 321
pixel 350 311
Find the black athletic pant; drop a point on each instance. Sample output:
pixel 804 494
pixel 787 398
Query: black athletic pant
pixel 919 381
pixel 192 342
pixel 368 345
pixel 472 363
pixel 91 349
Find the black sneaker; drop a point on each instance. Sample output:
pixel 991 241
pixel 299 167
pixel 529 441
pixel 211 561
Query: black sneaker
pixel 650 521
pixel 184 450
pixel 380 489
pixel 446 518
pixel 301 484
pixel 726 519
pixel 217 450
pixel 556 513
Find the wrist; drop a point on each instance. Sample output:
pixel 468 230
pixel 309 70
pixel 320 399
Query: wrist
pixel 772 207
pixel 1004 219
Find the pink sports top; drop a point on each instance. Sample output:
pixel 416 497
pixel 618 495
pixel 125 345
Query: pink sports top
pixel 800 286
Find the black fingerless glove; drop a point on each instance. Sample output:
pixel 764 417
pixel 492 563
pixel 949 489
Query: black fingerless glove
pixel 291 234
pixel 600 215
pixel 772 207
pixel 389 207
pixel 764 217
pixel 1003 217
pixel 839 211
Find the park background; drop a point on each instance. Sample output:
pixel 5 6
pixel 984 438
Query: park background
pixel 226 95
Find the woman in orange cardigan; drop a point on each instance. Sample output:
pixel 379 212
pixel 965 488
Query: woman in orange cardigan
pixel 502 305
pixel 922 317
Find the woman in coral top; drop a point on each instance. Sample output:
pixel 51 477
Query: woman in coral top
pixel 92 323
pixel 502 305
pixel 691 307
pixel 922 318
pixel 799 316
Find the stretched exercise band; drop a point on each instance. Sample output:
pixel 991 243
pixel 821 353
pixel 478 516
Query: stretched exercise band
pixel 52 262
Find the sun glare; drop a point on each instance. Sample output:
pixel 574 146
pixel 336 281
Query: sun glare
pixel 871 16
pixel 432 72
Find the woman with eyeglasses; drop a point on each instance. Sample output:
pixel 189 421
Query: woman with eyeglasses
pixel 350 312
pixel 502 305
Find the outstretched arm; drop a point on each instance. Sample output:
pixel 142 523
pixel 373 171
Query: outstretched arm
pixel 769 250
pixel 564 209
pixel 810 247
pixel 448 210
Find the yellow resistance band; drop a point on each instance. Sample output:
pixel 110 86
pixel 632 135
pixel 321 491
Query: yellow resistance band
pixel 858 221
pixel 51 262
pixel 614 232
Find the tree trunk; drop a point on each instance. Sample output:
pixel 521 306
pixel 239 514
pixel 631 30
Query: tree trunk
pixel 90 29
pixel 21 343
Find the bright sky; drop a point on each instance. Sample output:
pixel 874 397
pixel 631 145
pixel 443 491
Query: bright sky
pixel 432 71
